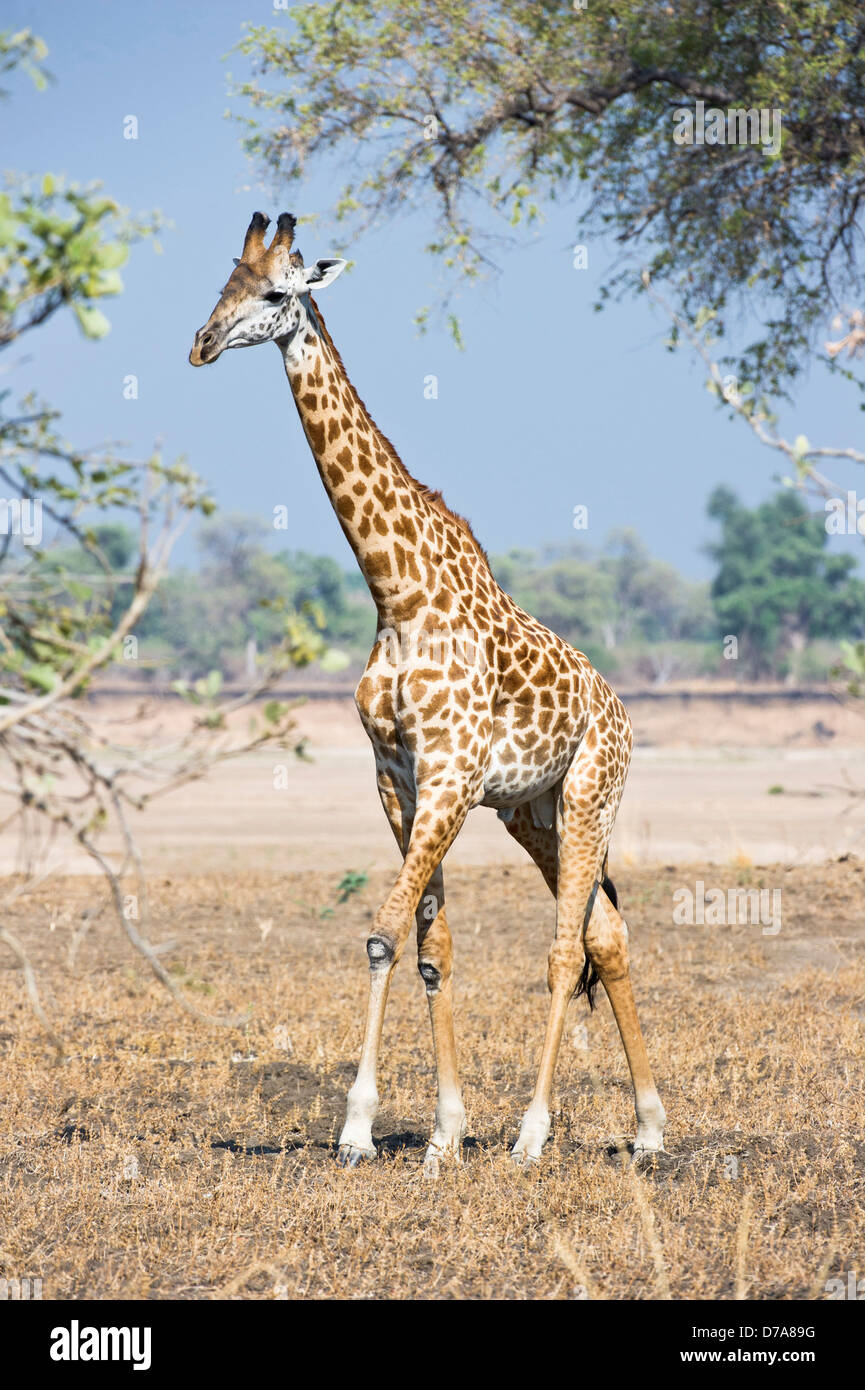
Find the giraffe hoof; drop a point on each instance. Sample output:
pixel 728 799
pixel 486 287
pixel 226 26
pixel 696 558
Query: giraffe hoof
pixel 436 1155
pixel 349 1155
pixel 646 1157
pixel 521 1158
pixel 647 1144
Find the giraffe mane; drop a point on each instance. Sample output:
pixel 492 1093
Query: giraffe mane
pixel 430 495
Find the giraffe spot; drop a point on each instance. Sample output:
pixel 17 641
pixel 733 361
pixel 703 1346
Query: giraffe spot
pixel 436 704
pixel 513 683
pixel 315 435
pixel 377 563
pixel 364 693
pixel 310 400
pixel 345 507
pixel 406 607
pixel 405 527
pixel 384 707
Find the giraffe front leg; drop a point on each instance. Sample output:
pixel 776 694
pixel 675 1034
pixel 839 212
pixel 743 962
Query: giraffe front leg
pixel 355 1141
pixel 435 964
pixel 440 811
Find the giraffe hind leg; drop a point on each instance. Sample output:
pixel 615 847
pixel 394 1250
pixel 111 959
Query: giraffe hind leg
pixel 590 945
pixel 589 978
pixel 606 945
pixel 538 841
pixel 541 843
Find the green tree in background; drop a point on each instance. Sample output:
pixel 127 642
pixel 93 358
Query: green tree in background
pixel 244 593
pixel 626 610
pixel 776 589
pixel 776 586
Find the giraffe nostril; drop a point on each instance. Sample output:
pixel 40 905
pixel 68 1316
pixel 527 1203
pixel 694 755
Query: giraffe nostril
pixel 206 339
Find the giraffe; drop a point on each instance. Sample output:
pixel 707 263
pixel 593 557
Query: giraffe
pixel 467 700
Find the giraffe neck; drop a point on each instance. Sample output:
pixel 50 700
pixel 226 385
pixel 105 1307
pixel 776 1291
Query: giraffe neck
pixel 402 537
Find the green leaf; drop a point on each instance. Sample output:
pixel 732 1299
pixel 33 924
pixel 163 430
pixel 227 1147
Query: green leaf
pixel 42 676
pixel 93 322
pixel 113 255
pixel 333 660
pixel 106 282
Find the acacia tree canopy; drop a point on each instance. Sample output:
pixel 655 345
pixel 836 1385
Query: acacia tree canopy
pixel 503 105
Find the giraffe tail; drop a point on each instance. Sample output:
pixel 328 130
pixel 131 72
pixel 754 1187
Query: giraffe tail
pixel 590 979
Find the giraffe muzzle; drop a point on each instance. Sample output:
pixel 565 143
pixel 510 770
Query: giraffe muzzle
pixel 205 348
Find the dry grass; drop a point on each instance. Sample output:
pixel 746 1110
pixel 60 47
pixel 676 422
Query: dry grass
pixel 163 1159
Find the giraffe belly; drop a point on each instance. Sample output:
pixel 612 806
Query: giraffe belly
pixel 509 783
pixel 523 762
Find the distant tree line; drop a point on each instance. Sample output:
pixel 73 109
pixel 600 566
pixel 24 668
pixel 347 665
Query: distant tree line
pixel 777 591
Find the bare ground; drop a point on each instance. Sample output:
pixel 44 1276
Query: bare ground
pixel 162 1158
pixel 730 782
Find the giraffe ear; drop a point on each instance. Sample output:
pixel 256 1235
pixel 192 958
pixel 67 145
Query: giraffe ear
pixel 323 273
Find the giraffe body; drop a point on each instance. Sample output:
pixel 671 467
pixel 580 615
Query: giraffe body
pixel 467 700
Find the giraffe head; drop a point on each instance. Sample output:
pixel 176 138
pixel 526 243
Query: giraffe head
pixel 267 294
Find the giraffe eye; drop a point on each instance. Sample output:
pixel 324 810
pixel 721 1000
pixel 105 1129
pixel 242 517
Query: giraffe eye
pixel 275 297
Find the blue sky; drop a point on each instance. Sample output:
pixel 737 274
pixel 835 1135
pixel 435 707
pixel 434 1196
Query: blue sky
pixel 549 406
